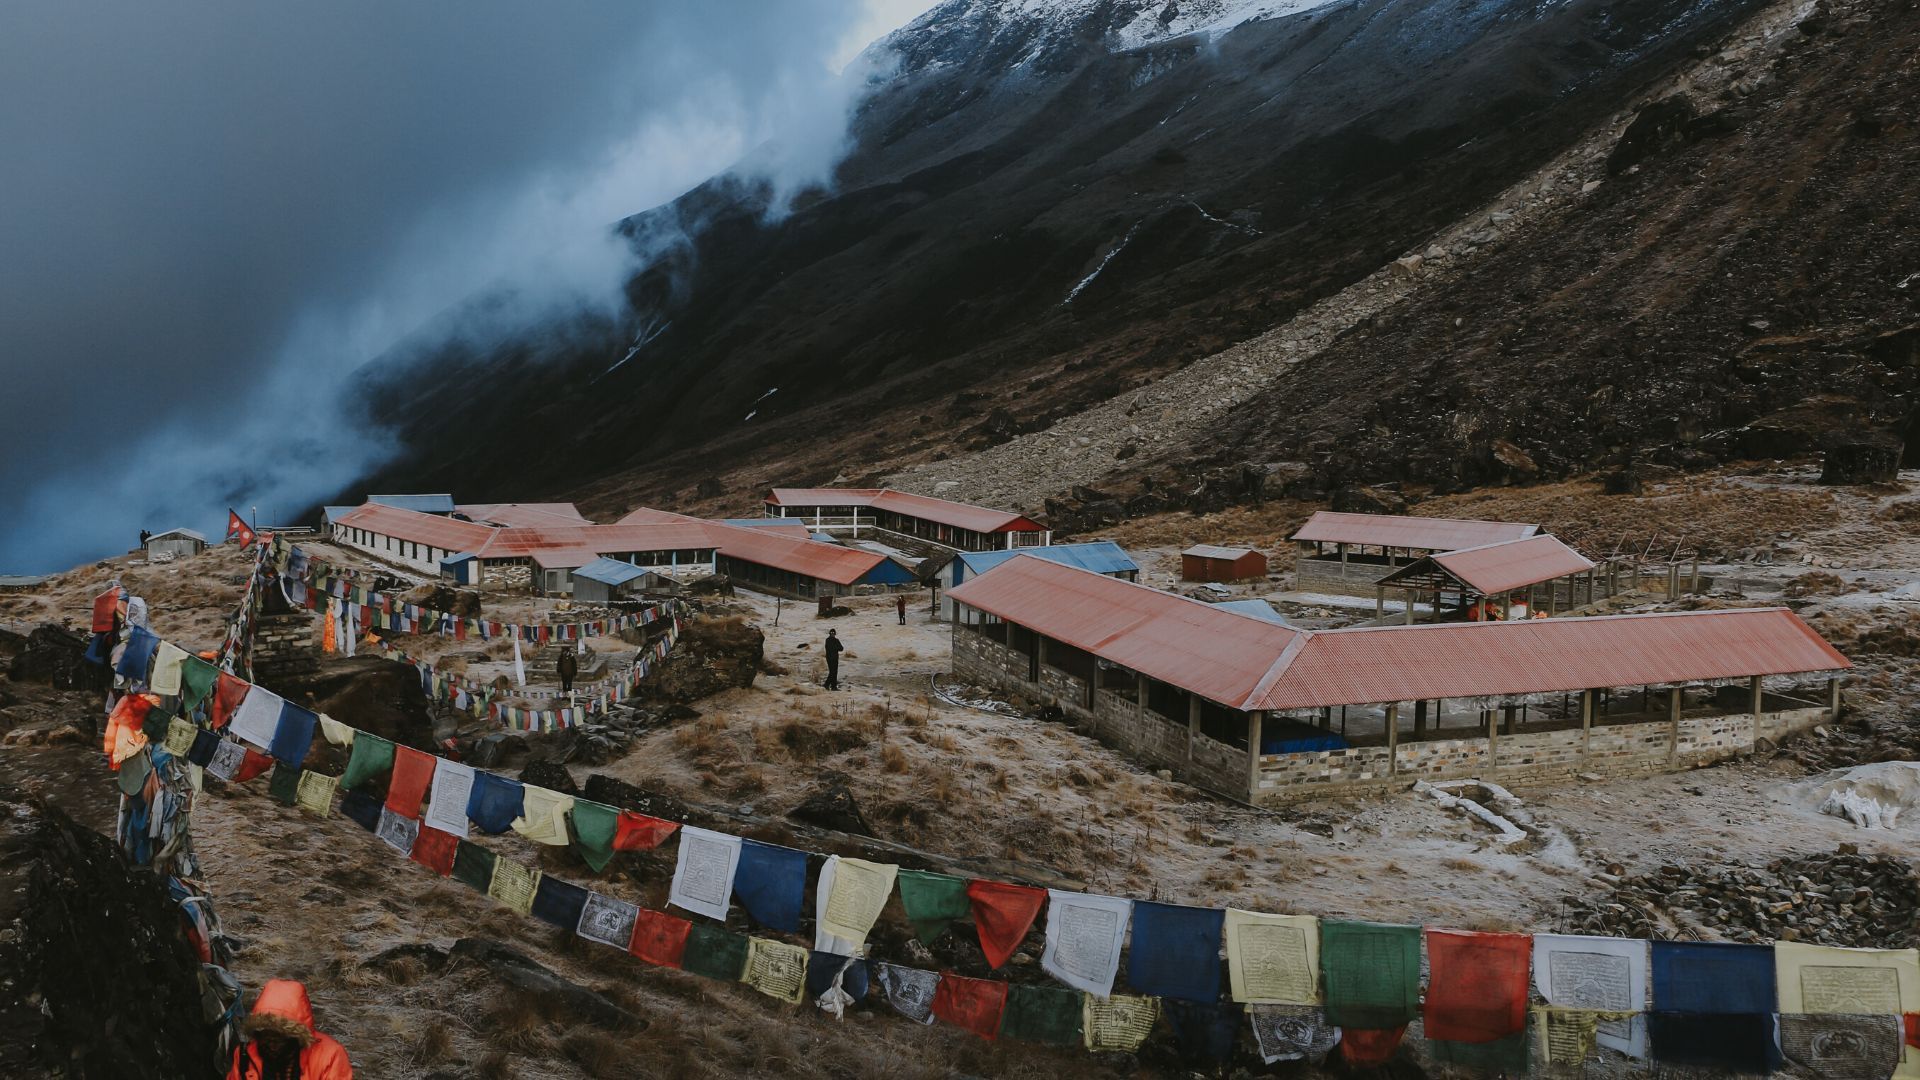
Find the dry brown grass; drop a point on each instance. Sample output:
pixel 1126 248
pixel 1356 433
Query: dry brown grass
pixel 434 1045
pixel 893 759
pixel 597 1053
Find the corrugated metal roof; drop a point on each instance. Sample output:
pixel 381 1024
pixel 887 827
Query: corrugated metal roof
pixel 611 571
pixel 188 533
pixel 647 515
pixel 423 504
pixel 1246 663
pixel 1215 551
pixel 1253 609
pixel 524 515
pixel 1099 556
pixel 1217 654
pixel 925 507
pixel 562 558
pixel 1407 663
pixel 1510 564
pixel 1424 533
pixel 599 539
pixel 808 558
pixel 419 528
pixel 786 527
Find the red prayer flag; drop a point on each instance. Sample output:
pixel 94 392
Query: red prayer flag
pixel 1477 987
pixel 227 692
pixel 1913 1029
pixel 412 772
pixel 106 607
pixel 659 938
pixel 435 850
pixel 252 765
pixel 1003 914
pixel 973 1004
pixel 638 832
pixel 238 530
pixel 1370 1047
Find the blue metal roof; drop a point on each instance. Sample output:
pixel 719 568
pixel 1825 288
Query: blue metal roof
pixel 1099 556
pixel 610 571
pixel 825 538
pixel 335 513
pixel 1259 609
pixel 763 523
pixel 457 558
pixel 422 504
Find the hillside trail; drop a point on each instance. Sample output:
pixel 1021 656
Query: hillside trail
pixel 1155 425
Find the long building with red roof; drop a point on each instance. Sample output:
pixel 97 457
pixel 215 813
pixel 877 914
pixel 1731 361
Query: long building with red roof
pixel 921 518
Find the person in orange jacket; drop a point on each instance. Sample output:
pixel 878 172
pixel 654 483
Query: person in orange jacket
pixel 282 1043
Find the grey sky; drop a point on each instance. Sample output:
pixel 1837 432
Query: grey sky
pixel 211 211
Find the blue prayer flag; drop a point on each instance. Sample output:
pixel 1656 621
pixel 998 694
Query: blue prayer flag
pixel 1204 1032
pixel 1743 1043
pixel 771 883
pixel 559 902
pixel 138 659
pixel 494 802
pixel 294 735
pixel 1175 951
pixel 822 967
pixel 363 808
pixel 1712 977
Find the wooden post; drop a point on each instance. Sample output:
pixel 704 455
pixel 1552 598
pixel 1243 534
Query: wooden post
pixel 1193 723
pixel 1493 741
pixel 1673 723
pixel 1586 720
pixel 1420 718
pixel 1506 605
pixel 1253 754
pixel 1412 595
pixel 1140 695
pixel 1758 700
pixel 1393 739
pixel 1833 698
pixel 1694 587
pixel 1379 602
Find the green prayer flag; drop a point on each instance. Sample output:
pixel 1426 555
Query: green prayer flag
pixel 715 953
pixel 196 681
pixel 473 865
pixel 285 783
pixel 154 727
pixel 372 756
pixel 1510 1056
pixel 932 902
pixel 1372 973
pixel 1042 1014
pixel 594 825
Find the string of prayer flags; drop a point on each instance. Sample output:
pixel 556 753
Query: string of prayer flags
pixel 638 832
pixel 257 717
pixel 228 692
pixel 513 884
pixel 1273 959
pixel 435 850
pixel 496 801
pixel 1712 977
pixel 167 661
pixel 1596 973
pixel 197 678
pixel 293 736
pixel 1042 1014
pixel 1372 974
pixel 973 1005
pixel 473 866
pixel 559 903
pixel 607 920
pixel 1120 1022
pixel 703 876
pixel 594 826
pixel 776 969
pixel 1002 914
pixel 1477 985
pixel 1085 934
pixel 1292 1032
pixel 659 938
pixel 835 982
pixel 543 816
pixel 1176 951
pixel 909 990
pixel 1866 982
pixel 1507 1056
pixel 932 902
pixel 1741 1042
pixel 372 758
pixel 284 787
pixel 362 809
pixel 1369 1048
pixel 335 732
pixel 315 794
pixel 1203 1032
pixel 859 889
pixel 412 775
pixel 771 883
pixel 397 831
pixel 448 795
pixel 714 953
pixel 1838 1046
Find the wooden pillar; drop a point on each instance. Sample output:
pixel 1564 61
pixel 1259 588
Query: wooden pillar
pixel 1379 602
pixel 1586 720
pixel 1833 698
pixel 1253 754
pixel 1393 739
pixel 1193 723
pixel 1506 605
pixel 1694 586
pixel 1506 717
pixel 1758 700
pixel 1420 718
pixel 1343 562
pixel 1412 595
pixel 1673 723
pixel 1493 741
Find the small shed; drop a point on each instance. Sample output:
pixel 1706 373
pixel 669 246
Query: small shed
pixel 1209 562
pixel 462 568
pixel 174 544
pixel 605 580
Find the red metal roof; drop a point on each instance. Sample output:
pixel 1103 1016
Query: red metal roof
pixel 808 558
pixel 647 515
pixel 1247 663
pixel 524 515
pixel 1215 551
pixel 1407 663
pixel 1511 564
pixel 565 558
pixel 430 529
pixel 925 507
pixel 1220 655
pixel 1424 533
pixel 602 539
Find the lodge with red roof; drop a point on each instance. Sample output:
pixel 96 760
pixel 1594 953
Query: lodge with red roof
pixel 1267 713
pixel 915 518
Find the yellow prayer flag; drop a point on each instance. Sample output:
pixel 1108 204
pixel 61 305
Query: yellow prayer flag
pixel 1867 982
pixel 776 969
pixel 166 669
pixel 543 816
pixel 1119 1022
pixel 1567 1036
pixel 315 793
pixel 180 735
pixel 335 732
pixel 514 884
pixel 1273 959
pixel 860 890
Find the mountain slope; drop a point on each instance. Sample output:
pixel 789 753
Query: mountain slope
pixel 1036 217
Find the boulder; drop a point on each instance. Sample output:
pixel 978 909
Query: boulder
pixel 380 695
pixel 54 656
pixel 1658 126
pixel 625 796
pixel 833 807
pixel 541 983
pixel 1861 461
pixel 550 775
pixel 713 654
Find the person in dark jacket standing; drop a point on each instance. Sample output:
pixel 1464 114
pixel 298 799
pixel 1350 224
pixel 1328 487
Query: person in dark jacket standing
pixel 901 604
pixel 569 666
pixel 834 649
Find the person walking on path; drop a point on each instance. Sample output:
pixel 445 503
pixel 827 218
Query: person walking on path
pixel 568 666
pixel 901 603
pixel 282 1041
pixel 834 649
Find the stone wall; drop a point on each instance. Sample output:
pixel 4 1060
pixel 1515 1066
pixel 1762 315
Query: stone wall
pixel 1329 576
pixel 283 645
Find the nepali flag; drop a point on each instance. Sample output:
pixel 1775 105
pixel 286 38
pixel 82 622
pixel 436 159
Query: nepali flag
pixel 238 530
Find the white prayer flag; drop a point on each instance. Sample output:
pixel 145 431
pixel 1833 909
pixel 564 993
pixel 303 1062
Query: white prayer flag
pixel 258 717
pixel 1084 937
pixel 447 799
pixel 703 878
pixel 1604 974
